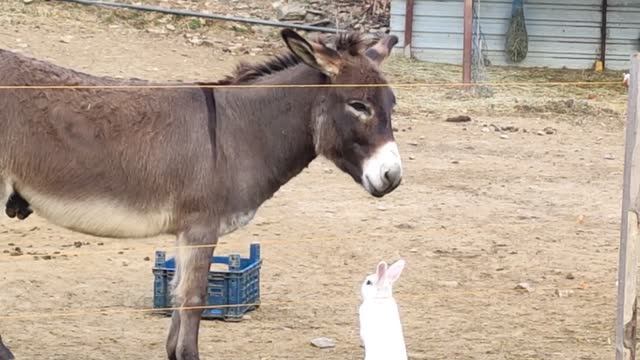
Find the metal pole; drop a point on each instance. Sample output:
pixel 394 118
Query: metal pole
pixel 466 49
pixel 408 27
pixel 603 34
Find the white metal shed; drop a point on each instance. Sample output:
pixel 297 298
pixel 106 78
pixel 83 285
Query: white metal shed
pixel 561 33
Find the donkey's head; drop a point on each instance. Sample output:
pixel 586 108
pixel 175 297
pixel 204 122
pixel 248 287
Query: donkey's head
pixel 352 124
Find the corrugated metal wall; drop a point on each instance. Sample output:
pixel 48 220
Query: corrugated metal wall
pixel 562 33
pixel 623 32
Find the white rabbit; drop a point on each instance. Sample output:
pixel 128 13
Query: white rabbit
pixel 380 327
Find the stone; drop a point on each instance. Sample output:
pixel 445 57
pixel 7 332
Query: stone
pixel 323 343
pixel 524 286
pixel 16 252
pixel 196 41
pixel 458 119
pixel 449 284
pixel 156 31
pixel 291 12
pixel 563 293
pixel 570 276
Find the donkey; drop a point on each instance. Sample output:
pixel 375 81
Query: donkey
pixel 197 161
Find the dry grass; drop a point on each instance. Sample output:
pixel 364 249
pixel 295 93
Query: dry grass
pixel 604 103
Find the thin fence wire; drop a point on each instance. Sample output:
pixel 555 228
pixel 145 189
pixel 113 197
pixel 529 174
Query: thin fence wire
pixel 69 256
pixel 584 287
pixel 402 297
pixel 295 86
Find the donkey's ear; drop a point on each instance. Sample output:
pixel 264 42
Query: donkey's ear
pixel 394 271
pixel 314 54
pixel 381 50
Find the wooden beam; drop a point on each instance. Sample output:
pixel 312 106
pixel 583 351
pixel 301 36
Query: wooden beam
pixel 408 27
pixel 468 34
pixel 626 312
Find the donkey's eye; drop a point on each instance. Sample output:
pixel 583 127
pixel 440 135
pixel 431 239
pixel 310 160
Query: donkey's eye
pixel 360 107
pixel 369 282
pixel 360 110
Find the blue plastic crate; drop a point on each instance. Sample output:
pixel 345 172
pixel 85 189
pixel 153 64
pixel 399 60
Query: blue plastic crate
pixel 239 285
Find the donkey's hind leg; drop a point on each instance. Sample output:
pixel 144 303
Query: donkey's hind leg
pixel 17 206
pixel 190 291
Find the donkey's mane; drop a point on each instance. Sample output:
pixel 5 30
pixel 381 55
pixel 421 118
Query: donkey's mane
pixel 352 43
pixel 246 73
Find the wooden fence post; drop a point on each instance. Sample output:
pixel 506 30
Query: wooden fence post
pixel 626 312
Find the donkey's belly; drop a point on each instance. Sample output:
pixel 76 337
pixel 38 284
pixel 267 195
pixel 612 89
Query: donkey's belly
pixel 100 217
pixel 235 221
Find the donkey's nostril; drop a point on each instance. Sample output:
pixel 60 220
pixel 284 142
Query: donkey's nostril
pixel 392 174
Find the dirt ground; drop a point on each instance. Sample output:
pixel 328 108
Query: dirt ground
pixel 528 191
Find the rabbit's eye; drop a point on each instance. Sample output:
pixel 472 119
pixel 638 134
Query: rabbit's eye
pixel 369 282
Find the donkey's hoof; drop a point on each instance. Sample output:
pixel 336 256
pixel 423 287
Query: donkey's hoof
pixel 11 212
pixel 24 213
pixel 17 206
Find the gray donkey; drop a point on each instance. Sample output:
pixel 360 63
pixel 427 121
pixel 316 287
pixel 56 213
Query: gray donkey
pixel 198 161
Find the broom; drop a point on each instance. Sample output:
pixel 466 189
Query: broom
pixel 517 44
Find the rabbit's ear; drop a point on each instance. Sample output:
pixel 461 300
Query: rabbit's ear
pixel 382 269
pixel 395 270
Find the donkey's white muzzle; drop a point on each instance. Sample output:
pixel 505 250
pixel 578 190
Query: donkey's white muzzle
pixel 382 172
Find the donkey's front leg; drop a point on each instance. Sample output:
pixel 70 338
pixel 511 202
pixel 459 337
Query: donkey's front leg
pixel 190 291
pixel 172 339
